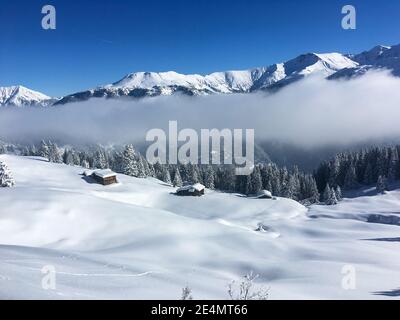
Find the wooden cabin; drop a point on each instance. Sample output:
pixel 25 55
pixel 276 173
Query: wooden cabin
pixel 194 190
pixel 105 176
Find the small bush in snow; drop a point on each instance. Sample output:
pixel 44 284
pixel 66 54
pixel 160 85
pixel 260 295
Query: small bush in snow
pixel 187 293
pixel 245 290
pixel 6 179
pixel 329 196
pixel 381 185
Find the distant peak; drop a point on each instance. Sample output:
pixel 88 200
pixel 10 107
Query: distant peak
pixel 19 95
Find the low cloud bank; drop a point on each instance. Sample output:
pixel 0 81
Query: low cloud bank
pixel 312 112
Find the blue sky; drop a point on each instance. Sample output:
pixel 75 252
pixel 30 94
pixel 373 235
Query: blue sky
pixel 98 42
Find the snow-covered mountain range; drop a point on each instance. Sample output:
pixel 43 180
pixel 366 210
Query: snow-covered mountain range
pixel 19 96
pixel 274 77
pixel 143 84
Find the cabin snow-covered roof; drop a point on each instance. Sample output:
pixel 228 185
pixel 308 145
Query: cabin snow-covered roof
pixel 104 173
pixel 87 173
pixel 191 187
pixel 264 193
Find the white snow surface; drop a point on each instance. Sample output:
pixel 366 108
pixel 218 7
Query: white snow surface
pixel 136 240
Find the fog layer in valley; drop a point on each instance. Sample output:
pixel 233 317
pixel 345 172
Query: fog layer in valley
pixel 312 112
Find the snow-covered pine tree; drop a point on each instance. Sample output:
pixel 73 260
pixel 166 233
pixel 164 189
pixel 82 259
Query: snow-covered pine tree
pixel 309 190
pixel 158 171
pixel 166 177
pixel 100 160
pixel 350 180
pixel 313 194
pixel 244 184
pixel 152 172
pixel 54 153
pixel 334 168
pixel 295 182
pixel 140 166
pixel 68 157
pixel 32 150
pixel 183 170
pixel 118 163
pixel 25 152
pixel 329 196
pixel 177 182
pixel 76 158
pixel 209 177
pixel 369 173
pixel 383 162
pixel 256 180
pixel 284 182
pixel 146 166
pixel 225 178
pixel 129 164
pixel 193 174
pixel 6 179
pixel 44 150
pixel 381 184
pixel 85 164
pixel 334 199
pixel 338 193
pixel 393 165
pixel 326 195
pixel 276 183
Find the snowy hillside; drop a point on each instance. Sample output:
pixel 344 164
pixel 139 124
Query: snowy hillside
pixel 19 96
pixel 125 240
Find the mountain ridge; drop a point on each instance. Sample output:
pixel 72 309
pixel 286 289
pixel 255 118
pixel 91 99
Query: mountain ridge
pixel 19 96
pixel 149 84
pixel 141 84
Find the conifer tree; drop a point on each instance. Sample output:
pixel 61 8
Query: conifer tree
pixel 329 196
pixel 338 193
pixel 6 178
pixel 350 180
pixel 177 182
pixel 209 177
pixel 129 164
pixel 256 181
pixel 381 184
pixel 141 168
pixel 166 177
pixel 44 150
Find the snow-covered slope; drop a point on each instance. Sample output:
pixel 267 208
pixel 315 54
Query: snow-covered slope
pixel 138 240
pixel 304 65
pixel 379 57
pixel 143 84
pixel 19 96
